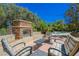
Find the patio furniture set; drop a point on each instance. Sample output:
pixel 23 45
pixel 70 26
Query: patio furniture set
pixel 26 51
pixel 69 46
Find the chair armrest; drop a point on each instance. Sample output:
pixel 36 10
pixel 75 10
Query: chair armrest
pixel 18 44
pixel 56 50
pixel 26 50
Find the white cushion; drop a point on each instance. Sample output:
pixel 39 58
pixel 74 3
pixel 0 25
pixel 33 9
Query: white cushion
pixel 56 46
pixel 55 53
pixel 7 47
pixel 26 53
pixel 52 41
pixel 70 46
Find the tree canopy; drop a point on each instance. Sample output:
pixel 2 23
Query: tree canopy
pixel 73 17
pixel 10 12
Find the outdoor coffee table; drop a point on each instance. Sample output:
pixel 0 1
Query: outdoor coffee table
pixel 39 41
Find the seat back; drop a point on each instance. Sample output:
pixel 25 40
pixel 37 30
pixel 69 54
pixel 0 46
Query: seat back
pixel 6 47
pixel 71 45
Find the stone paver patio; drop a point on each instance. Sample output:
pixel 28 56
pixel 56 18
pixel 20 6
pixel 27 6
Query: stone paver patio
pixel 45 47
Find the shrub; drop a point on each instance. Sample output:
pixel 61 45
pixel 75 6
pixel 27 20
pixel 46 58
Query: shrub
pixel 3 31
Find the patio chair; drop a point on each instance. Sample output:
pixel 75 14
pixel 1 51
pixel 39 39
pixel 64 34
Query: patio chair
pixel 10 51
pixel 69 48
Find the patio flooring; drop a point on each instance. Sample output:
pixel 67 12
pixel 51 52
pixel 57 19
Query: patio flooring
pixel 28 40
pixel 42 50
pixel 39 53
pixel 45 47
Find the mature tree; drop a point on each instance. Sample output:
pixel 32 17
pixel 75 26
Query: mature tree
pixel 43 26
pixel 2 15
pixel 73 14
pixel 58 25
pixel 10 12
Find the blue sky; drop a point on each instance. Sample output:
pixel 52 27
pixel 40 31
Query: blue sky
pixel 49 12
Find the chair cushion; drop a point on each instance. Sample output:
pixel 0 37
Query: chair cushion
pixel 7 48
pixel 59 47
pixel 51 41
pixel 25 51
pixel 26 54
pixel 69 45
pixel 55 53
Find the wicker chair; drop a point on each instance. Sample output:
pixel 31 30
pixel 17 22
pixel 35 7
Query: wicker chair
pixel 10 51
pixel 69 48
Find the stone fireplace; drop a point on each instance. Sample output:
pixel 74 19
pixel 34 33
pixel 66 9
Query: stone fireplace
pixel 21 28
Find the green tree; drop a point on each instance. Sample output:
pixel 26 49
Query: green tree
pixel 58 25
pixel 43 26
pixel 10 12
pixel 73 14
pixel 2 15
